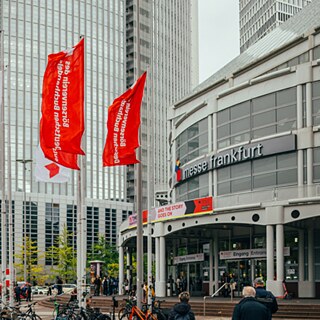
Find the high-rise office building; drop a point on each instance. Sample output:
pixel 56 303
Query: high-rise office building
pixel 32 30
pixel 259 17
pixel 169 50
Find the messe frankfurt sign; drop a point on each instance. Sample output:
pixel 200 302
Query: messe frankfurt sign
pixel 236 155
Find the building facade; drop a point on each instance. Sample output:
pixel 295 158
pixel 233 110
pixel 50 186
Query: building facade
pixel 258 18
pixel 169 52
pixel 32 30
pixel 244 194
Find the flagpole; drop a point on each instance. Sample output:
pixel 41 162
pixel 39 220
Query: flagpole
pixel 149 255
pixel 10 218
pixel 3 183
pixel 81 226
pixel 139 185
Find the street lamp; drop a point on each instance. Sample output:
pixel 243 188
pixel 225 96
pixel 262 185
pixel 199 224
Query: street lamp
pixel 24 162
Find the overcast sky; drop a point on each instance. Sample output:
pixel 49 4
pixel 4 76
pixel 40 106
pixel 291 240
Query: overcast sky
pixel 218 35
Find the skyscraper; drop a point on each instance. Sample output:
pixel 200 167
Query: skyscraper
pixel 169 46
pixel 34 29
pixel 259 17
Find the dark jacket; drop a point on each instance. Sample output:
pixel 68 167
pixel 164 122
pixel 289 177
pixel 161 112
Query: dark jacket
pixel 181 309
pixel 250 309
pixel 263 293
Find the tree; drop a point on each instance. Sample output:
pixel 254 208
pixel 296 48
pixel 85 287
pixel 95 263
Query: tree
pixel 63 257
pixel 108 254
pixel 34 270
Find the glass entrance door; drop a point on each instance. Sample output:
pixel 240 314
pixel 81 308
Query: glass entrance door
pixel 240 272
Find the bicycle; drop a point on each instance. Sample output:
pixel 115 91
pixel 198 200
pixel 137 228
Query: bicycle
pixel 126 309
pixel 136 313
pixel 30 314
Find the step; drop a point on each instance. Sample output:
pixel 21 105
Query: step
pixel 213 308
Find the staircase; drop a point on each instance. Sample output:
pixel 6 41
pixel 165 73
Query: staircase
pixel 219 308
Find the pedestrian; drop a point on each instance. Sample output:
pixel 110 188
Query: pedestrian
pixel 182 310
pixel 17 292
pixel 264 296
pixel 249 308
pixel 28 292
pixel 59 283
pixel 97 286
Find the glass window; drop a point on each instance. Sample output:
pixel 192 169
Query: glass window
pixel 287 176
pixel 263 103
pixel 265 118
pixel 240 125
pixel 288 160
pixel 241 110
pixel 241 184
pixel 264 180
pixel 241 170
pixel 264 165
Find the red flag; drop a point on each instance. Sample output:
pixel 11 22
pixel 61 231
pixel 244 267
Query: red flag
pixel 62 122
pixel 123 126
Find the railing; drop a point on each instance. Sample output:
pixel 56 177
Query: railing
pixel 214 294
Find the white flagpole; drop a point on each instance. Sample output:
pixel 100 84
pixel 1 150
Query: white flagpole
pixel 139 186
pixel 3 182
pixel 149 255
pixel 10 218
pixel 81 227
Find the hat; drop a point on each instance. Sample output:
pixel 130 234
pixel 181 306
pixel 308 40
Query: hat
pixel 258 281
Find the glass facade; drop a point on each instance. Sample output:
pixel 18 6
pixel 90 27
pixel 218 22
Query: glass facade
pixel 32 31
pixel 256 118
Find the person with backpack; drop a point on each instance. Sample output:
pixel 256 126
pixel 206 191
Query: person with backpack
pixel 182 310
pixel 264 296
pixel 249 308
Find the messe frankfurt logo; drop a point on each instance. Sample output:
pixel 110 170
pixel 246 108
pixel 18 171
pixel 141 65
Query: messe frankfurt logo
pixel 53 169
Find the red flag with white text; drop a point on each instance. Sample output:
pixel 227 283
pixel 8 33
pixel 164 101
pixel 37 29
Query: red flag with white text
pixel 123 126
pixel 62 122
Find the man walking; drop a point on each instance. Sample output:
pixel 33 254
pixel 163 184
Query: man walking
pixel 249 308
pixel 264 296
pixel 182 310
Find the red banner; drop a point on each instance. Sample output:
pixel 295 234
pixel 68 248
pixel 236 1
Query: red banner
pixel 62 122
pixel 123 126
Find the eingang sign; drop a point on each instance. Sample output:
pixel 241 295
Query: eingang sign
pixel 236 155
pixel 249 254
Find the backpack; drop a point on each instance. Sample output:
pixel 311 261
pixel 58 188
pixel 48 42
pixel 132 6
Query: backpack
pixel 269 301
pixel 179 316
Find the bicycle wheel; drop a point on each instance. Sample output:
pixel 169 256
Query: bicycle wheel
pixel 103 317
pixel 127 316
pixel 124 316
pixel 161 316
pixel 121 312
pixel 35 317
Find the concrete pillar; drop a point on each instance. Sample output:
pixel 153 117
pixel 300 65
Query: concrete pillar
pixel 157 245
pixel 161 292
pixel 279 251
pixel 121 270
pixel 270 253
pixel 307 289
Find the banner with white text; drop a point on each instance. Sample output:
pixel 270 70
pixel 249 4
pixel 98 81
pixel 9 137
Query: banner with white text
pixel 62 121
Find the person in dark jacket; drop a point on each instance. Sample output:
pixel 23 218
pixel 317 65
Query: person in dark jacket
pixel 182 310
pixel 261 292
pixel 249 308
